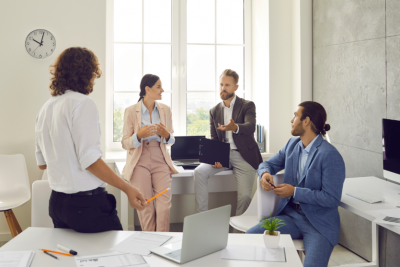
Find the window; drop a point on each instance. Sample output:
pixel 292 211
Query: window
pixel 187 43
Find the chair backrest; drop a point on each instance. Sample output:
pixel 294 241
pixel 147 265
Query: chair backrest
pixel 41 192
pixel 252 209
pixel 267 200
pixel 14 179
pixel 44 176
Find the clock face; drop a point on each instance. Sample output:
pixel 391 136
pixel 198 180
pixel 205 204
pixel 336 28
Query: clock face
pixel 40 44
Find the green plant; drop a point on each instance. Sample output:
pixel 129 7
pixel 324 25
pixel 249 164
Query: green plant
pixel 272 224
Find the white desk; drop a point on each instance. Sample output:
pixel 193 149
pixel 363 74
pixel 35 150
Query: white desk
pixel 90 244
pixel 375 186
pixel 182 183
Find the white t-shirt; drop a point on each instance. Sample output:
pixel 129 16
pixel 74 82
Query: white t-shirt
pixel 68 141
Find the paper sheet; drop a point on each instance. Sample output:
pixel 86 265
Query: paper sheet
pixel 16 258
pixel 389 217
pixel 253 253
pixel 111 260
pixel 141 243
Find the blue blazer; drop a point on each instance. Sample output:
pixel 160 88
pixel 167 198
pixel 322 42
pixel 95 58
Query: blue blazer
pixel 320 188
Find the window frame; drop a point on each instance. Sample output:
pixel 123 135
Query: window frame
pixel 178 66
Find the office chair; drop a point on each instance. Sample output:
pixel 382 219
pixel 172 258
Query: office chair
pixel 14 188
pixel 262 205
pixel 41 192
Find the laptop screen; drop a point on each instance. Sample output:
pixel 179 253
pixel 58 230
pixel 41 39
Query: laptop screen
pixel 186 147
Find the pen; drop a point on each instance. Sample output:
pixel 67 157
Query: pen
pixel 45 252
pixel 65 254
pixel 270 183
pixel 70 251
pixel 158 195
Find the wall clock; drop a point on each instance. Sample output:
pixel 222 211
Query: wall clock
pixel 40 44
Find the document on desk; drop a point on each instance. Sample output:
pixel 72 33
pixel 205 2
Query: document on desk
pixel 391 218
pixel 253 253
pixel 16 258
pixel 141 243
pixel 111 260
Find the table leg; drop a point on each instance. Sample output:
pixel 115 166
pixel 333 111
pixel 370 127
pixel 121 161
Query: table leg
pixel 375 251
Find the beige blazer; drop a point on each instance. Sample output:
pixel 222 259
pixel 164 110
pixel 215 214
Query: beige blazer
pixel 132 124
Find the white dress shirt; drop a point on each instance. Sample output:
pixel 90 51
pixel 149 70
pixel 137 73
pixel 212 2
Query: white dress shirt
pixel 227 118
pixel 68 141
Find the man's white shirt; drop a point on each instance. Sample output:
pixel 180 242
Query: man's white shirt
pixel 68 141
pixel 227 118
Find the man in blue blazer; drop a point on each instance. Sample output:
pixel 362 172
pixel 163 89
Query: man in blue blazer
pixel 312 188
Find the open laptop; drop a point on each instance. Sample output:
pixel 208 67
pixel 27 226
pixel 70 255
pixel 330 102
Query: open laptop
pixel 203 233
pixel 185 151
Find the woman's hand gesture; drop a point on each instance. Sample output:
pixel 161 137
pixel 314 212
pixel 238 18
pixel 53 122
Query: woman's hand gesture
pixel 146 131
pixel 162 130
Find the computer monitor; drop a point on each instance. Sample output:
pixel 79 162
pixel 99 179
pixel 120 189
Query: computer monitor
pixel 186 147
pixel 391 149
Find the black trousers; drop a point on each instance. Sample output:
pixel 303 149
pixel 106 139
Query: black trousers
pixel 84 213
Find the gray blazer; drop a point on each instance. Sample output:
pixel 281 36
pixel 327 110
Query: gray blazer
pixel 244 115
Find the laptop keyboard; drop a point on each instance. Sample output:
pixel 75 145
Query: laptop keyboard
pixel 175 254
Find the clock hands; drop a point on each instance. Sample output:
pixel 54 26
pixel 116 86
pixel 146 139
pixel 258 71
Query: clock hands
pixel 37 47
pixel 40 44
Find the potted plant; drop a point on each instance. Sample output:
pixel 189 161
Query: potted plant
pixel 271 236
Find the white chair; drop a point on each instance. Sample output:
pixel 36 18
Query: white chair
pixel 41 192
pixel 263 204
pixel 14 188
pixel 44 176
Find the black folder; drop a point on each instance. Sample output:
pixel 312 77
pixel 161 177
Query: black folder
pixel 212 151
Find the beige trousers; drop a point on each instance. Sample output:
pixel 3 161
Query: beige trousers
pixel 151 176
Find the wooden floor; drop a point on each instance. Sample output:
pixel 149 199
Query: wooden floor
pixel 340 255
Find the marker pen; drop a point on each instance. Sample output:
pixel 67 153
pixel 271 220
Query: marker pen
pixel 70 251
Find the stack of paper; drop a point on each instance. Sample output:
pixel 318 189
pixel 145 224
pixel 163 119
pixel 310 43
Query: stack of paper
pixel 16 258
pixel 141 243
pixel 111 260
pixel 253 253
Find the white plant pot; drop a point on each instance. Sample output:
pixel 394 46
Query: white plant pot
pixel 271 241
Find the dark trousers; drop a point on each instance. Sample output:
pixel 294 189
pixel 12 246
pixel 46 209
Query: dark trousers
pixel 84 213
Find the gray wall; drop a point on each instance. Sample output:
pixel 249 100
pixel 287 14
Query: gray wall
pixel 356 77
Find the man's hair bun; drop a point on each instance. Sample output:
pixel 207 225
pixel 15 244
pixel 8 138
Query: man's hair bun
pixel 327 127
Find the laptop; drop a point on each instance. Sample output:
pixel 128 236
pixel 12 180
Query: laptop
pixel 203 233
pixel 185 151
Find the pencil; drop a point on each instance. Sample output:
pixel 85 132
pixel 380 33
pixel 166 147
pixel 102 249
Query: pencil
pixel 158 195
pixel 50 255
pixel 65 254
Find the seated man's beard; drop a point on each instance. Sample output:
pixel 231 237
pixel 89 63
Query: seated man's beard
pixel 298 131
pixel 227 95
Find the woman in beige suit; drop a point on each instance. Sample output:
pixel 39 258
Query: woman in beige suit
pixel 147 131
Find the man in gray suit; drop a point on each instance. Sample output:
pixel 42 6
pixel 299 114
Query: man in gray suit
pixel 232 121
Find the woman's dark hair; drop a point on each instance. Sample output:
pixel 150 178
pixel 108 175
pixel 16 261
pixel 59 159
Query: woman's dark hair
pixel 147 80
pixel 317 114
pixel 74 70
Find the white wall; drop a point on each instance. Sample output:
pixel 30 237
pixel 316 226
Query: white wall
pixel 282 64
pixel 302 51
pixel 24 80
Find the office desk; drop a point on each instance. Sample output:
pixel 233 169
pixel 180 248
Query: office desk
pixel 182 183
pixel 91 244
pixel 375 186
